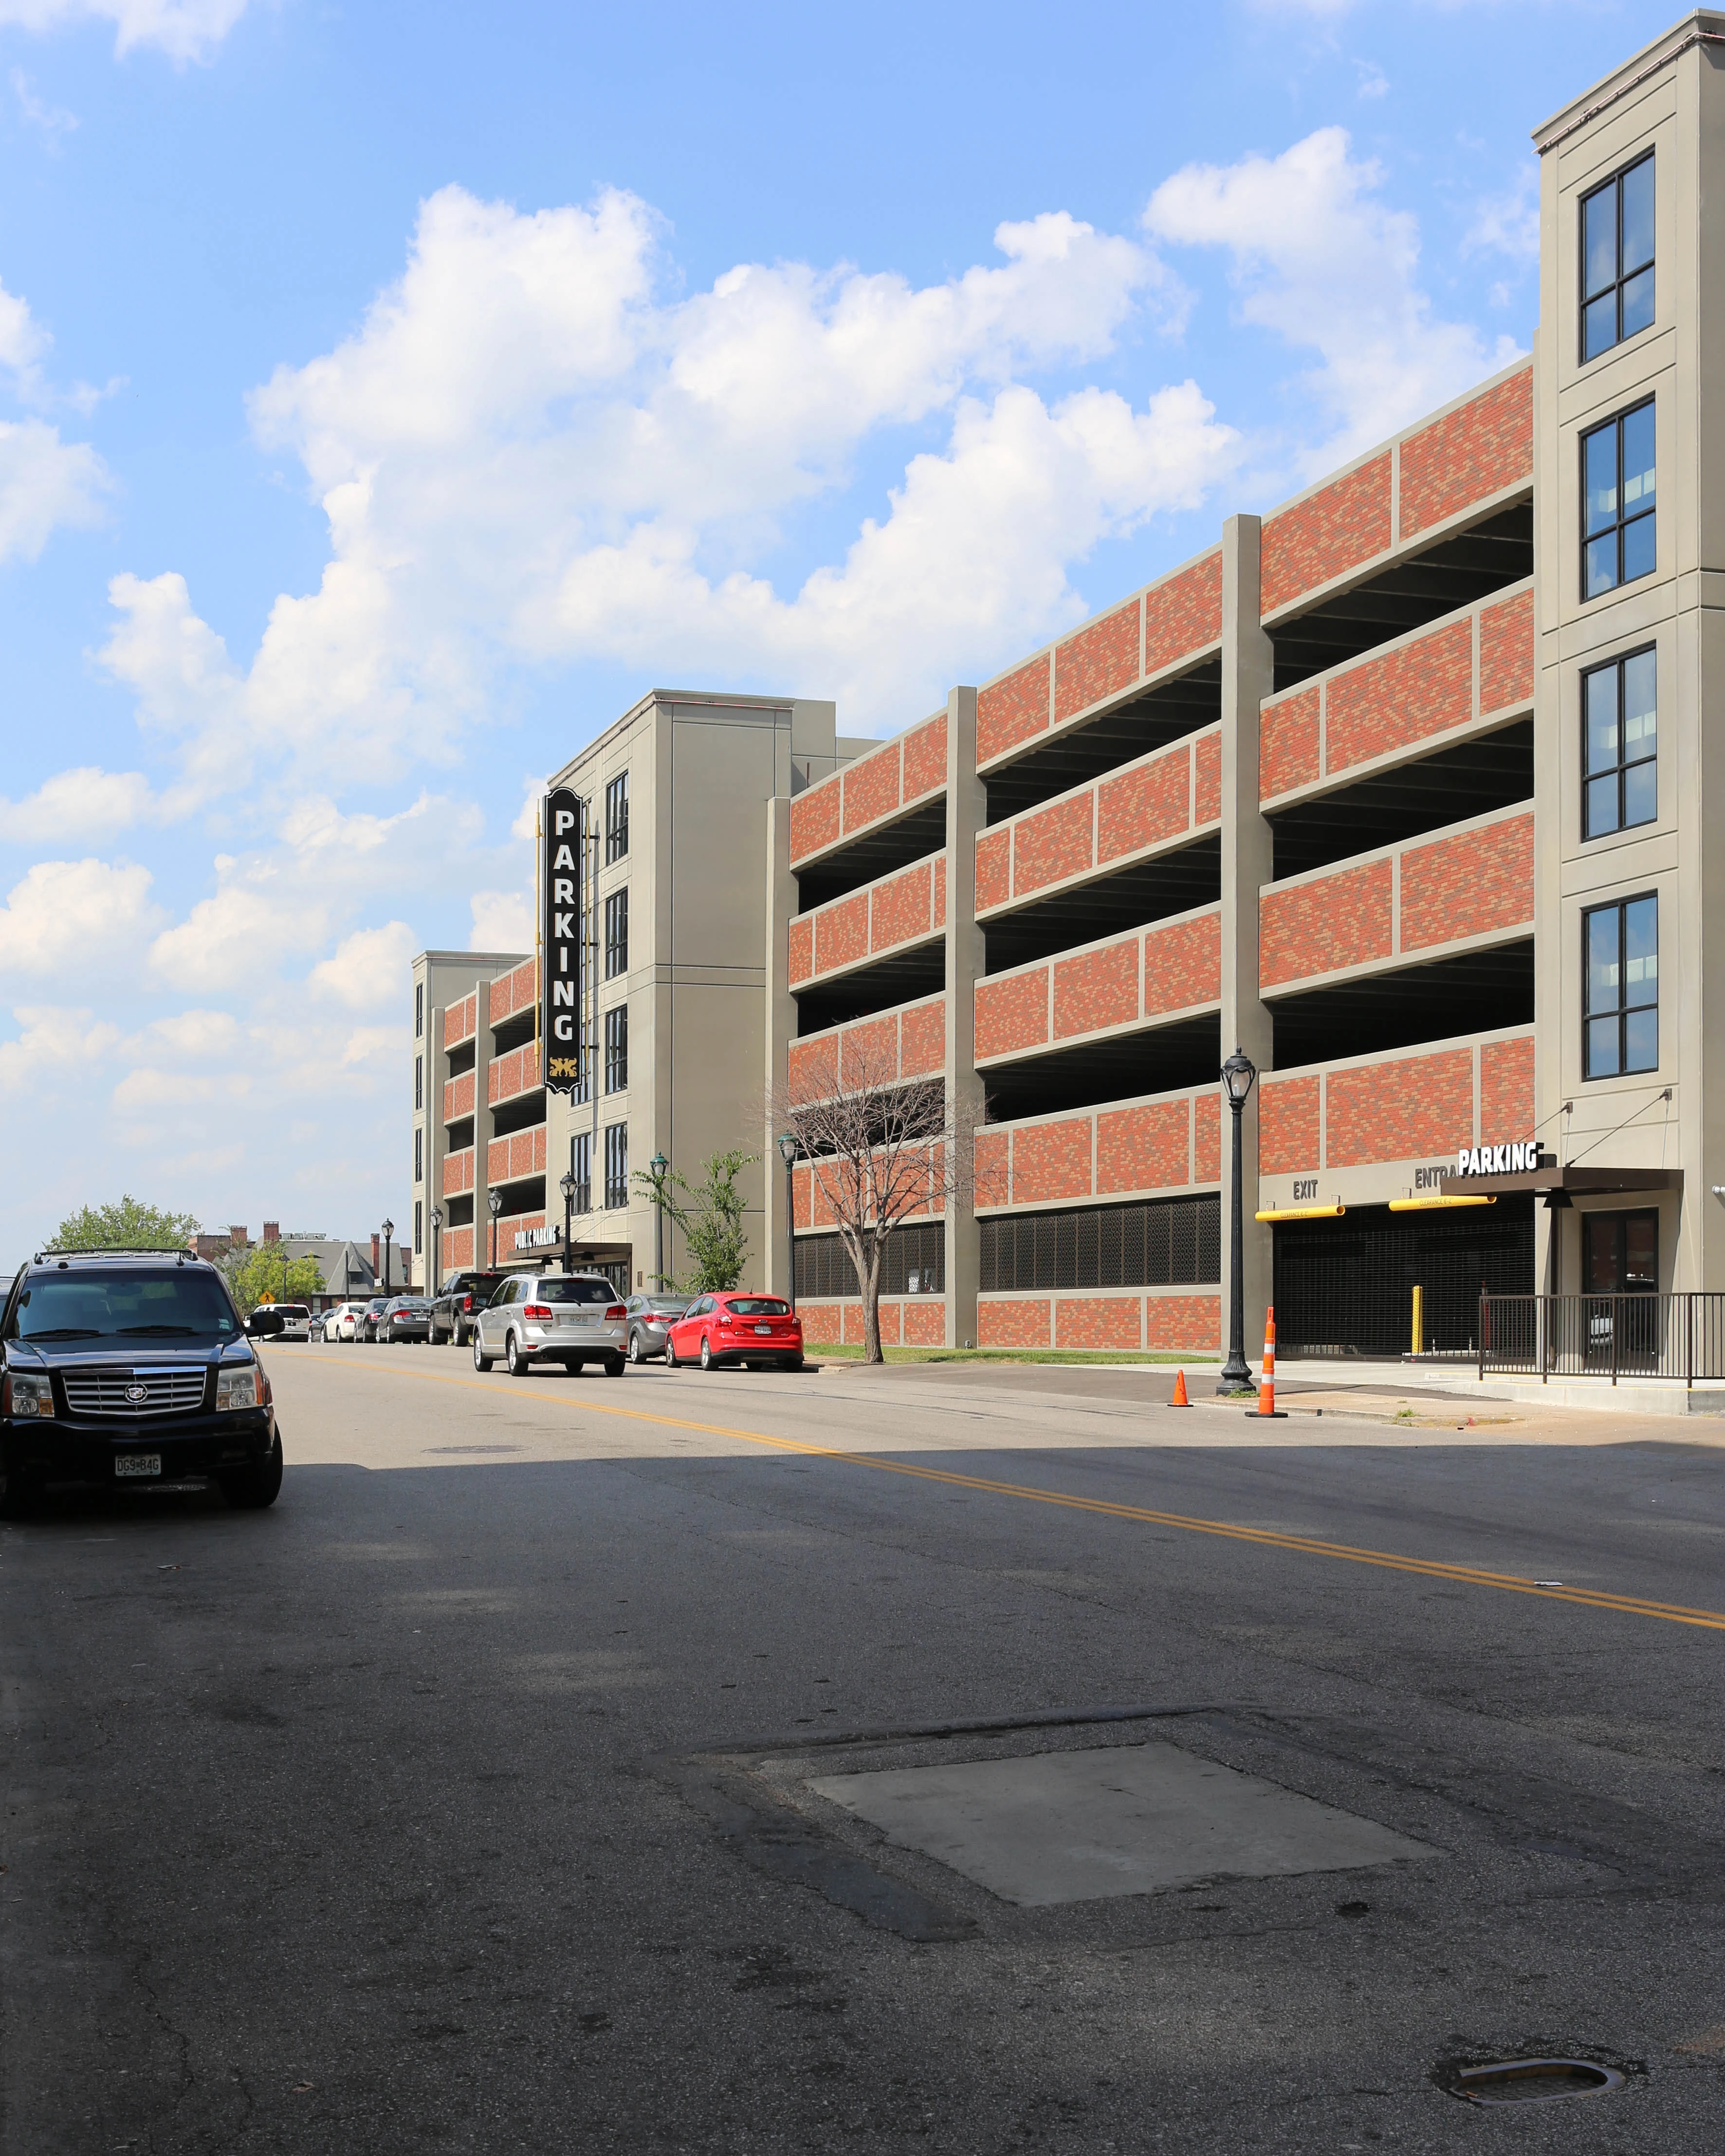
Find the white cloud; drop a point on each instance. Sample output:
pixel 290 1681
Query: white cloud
pixel 368 967
pixel 75 917
pixel 184 29
pixel 44 483
pixel 87 802
pixel 1318 258
pixel 502 921
pixel 50 122
pixel 1509 223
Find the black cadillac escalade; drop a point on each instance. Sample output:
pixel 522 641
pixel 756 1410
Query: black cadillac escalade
pixel 131 1369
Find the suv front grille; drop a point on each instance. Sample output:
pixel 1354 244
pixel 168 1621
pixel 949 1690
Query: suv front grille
pixel 103 1392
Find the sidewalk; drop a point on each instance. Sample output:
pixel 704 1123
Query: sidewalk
pixel 1460 1381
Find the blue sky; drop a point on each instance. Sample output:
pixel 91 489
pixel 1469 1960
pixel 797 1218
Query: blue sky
pixel 388 395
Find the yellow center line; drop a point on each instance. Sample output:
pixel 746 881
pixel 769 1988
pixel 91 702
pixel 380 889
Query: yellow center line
pixel 1305 1545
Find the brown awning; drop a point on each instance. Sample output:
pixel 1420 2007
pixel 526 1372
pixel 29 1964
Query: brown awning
pixel 1578 1182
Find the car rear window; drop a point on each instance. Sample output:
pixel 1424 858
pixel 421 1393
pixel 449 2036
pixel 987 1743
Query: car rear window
pixel 760 1306
pixel 164 1303
pixel 574 1291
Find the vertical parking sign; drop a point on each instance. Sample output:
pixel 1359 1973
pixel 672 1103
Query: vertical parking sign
pixel 562 827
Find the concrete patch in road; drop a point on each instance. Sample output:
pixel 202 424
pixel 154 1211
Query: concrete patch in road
pixel 1080 1826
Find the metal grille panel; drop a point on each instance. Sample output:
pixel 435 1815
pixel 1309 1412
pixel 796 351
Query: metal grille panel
pixel 1166 1242
pixel 824 1266
pixel 103 1392
pixel 1349 1283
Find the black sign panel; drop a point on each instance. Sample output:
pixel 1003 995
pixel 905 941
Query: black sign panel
pixel 563 838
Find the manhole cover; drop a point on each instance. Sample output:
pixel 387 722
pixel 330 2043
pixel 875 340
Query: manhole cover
pixel 1531 2081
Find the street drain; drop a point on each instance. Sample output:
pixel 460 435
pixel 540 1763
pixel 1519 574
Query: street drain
pixel 1531 2081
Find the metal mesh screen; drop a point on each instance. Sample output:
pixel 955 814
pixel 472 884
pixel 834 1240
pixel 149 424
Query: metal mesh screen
pixel 1167 1242
pixel 1349 1283
pixel 824 1266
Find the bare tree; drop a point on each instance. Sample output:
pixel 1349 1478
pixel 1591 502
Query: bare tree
pixel 879 1149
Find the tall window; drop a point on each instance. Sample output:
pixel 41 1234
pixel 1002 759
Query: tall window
pixel 1621 955
pixel 418 1227
pixel 617 817
pixel 616 933
pixel 1617 477
pixel 617 1049
pixel 419 1081
pixel 419 1153
pixel 581 1168
pixel 1617 259
pixel 419 1008
pixel 1620 745
pixel 616 1166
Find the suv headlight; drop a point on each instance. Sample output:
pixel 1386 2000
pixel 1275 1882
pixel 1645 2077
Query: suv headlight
pixel 29 1395
pixel 236 1389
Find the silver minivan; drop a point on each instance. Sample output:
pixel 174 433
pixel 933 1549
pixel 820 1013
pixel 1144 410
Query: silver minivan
pixel 570 1318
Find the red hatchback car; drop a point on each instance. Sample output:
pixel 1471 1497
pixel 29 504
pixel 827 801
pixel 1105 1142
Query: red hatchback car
pixel 761 1331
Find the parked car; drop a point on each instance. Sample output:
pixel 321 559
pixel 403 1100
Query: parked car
pixel 295 1320
pixel 371 1315
pixel 761 1331
pixel 130 1370
pixel 343 1322
pixel 570 1318
pixel 650 1319
pixel 407 1317
pixel 454 1311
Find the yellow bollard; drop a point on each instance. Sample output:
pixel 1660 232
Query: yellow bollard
pixel 1419 1321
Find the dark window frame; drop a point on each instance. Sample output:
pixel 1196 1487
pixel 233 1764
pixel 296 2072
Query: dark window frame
pixel 616 1167
pixel 419 1153
pixel 616 818
pixel 617 1049
pixel 1624 764
pixel 1585 300
pixel 617 932
pixel 418 1082
pixel 419 1009
pixel 581 1168
pixel 1621 524
pixel 1623 1011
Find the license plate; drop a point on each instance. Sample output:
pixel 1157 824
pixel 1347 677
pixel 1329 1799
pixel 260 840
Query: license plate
pixel 763 1328
pixel 137 1463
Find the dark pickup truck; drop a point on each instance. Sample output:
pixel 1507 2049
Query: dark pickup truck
pixel 454 1311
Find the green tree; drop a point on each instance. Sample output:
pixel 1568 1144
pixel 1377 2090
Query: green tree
pixel 261 1276
pixel 710 1214
pixel 130 1223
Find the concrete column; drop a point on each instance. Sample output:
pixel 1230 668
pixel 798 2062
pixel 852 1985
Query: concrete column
pixel 481 1123
pixel 966 814
pixel 780 1029
pixel 1248 677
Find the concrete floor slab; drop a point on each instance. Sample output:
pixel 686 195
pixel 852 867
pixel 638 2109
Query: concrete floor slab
pixel 1127 1818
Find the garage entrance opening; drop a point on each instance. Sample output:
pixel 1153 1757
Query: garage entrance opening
pixel 1348 1284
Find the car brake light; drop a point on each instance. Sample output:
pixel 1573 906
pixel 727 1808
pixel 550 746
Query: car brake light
pixel 539 1310
pixel 724 1317
pixel 615 1312
pixel 467 1302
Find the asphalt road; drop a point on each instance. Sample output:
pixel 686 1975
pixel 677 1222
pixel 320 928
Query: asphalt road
pixel 460 1803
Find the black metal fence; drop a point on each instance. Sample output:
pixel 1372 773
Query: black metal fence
pixel 1603 1336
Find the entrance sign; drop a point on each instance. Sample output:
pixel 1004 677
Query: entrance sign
pixel 1518 1159
pixel 563 838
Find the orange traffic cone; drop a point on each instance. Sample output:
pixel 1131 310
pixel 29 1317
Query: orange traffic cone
pixel 1179 1399
pixel 1266 1390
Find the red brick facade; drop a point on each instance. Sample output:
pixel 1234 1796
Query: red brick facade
pixel 1183 616
pixel 926 759
pixel 511 1075
pixel 1052 843
pixel 1399 1110
pixel 514 991
pixel 1415 690
pixel 815 818
pixel 1288 1125
pixel 1144 805
pixel 908 1042
pixel 1506 1090
pixel 1051 1161
pixel 1139 1148
pixel 994 867
pixel 898 909
pixel 870 786
pixel 1334 529
pixel 459 1096
pixel 1507 654
pixel 1098 988
pixel 1332 921
pixel 1011 1013
pixel 1468 884
pixel 1288 743
pixel 1481 449
pixel 1012 710
pixel 1182 963
pixel 458 1172
pixel 460 1021
pixel 1147 1148
pixel 1100 661
pixel 1208 750
pixel 1173 1322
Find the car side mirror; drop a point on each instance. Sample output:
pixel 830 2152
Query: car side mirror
pixel 265 1325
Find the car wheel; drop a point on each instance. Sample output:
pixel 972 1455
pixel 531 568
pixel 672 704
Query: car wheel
pixel 515 1362
pixel 480 1360
pixel 615 1365
pixel 251 1489
pixel 573 1364
pixel 706 1352
pixel 793 1362
pixel 634 1346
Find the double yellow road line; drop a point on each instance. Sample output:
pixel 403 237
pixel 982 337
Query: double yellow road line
pixel 1465 1575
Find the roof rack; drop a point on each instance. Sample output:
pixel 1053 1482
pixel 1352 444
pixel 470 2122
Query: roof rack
pixel 115 1250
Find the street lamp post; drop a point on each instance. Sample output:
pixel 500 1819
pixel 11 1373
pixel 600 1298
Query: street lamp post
pixel 494 1206
pixel 436 1280
pixel 787 1151
pixel 661 1167
pixel 1238 1074
pixel 388 1230
pixel 566 1184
